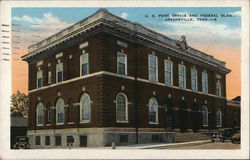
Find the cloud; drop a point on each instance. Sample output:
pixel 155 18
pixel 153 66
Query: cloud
pixel 124 15
pixel 36 29
pixel 236 13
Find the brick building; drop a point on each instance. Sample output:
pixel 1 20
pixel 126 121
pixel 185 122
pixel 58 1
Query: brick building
pixel 106 79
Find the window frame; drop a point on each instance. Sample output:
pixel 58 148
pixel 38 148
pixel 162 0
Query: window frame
pixel 184 76
pixel 156 68
pixel 218 113
pixel 38 74
pixel 81 64
pixel 37 140
pixel 81 109
pixel 204 82
pixel 171 71
pixel 49 77
pixel 126 108
pixel 47 140
pixel 39 109
pixel 218 88
pixel 196 79
pixel 57 71
pixel 117 63
pixel 205 112
pixel 157 111
pixel 57 108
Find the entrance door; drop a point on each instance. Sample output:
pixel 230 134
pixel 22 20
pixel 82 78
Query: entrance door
pixel 83 141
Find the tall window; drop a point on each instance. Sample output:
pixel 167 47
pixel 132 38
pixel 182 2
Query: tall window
pixel 85 107
pixel 60 111
pixel 218 88
pixel 49 116
pixel 49 77
pixel 121 108
pixel 84 61
pixel 59 72
pixel 182 76
pixel 153 110
pixel 153 68
pixel 39 78
pixel 121 63
pixel 193 79
pixel 168 73
pixel 218 118
pixel 204 116
pixel 204 82
pixel 39 114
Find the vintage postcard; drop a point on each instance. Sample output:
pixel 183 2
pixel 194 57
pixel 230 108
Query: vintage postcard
pixel 121 80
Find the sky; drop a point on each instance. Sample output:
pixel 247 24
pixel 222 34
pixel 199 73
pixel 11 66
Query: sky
pixel 219 35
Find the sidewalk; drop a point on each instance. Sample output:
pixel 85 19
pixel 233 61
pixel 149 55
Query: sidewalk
pixel 155 145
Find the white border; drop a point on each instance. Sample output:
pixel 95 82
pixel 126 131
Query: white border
pixel 5 89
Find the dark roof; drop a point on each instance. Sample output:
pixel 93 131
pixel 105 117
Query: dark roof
pixel 236 98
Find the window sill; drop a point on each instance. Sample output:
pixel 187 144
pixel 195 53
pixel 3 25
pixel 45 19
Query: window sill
pixel 153 123
pixel 122 121
pixel 39 125
pixel 219 126
pixel 205 125
pixel 59 124
pixel 70 122
pixel 82 122
pixel 48 124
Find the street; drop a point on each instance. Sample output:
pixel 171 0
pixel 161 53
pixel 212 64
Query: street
pixel 216 145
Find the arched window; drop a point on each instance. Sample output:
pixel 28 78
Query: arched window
pixel 218 118
pixel 121 107
pixel 153 110
pixel 204 116
pixel 40 114
pixel 60 111
pixel 85 108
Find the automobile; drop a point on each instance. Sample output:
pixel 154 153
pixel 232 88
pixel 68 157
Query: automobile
pixel 236 138
pixel 22 142
pixel 215 137
pixel 226 134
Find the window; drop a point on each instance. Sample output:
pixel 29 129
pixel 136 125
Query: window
pixel 153 111
pixel 49 115
pixel 182 76
pixel 193 79
pixel 218 118
pixel 39 114
pixel 70 139
pixel 153 68
pixel 204 116
pixel 49 77
pixel 204 82
pixel 121 108
pixel 84 61
pixel 85 108
pixel 218 88
pixel 47 140
pixel 83 141
pixel 60 111
pixel 37 140
pixel 168 73
pixel 123 138
pixel 58 140
pixel 39 78
pixel 121 63
pixel 59 72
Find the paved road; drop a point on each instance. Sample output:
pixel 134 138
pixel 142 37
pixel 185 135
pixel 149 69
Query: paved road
pixel 217 145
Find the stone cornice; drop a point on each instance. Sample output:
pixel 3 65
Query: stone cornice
pixel 103 17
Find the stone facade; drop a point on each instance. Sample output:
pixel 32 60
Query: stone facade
pixel 102 41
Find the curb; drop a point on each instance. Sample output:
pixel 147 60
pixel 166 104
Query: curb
pixel 174 145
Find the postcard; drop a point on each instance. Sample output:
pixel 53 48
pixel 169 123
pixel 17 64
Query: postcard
pixel 124 79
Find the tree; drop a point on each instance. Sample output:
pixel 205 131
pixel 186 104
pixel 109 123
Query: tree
pixel 19 105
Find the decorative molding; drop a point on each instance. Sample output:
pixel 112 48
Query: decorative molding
pixel 122 44
pixel 39 63
pixel 83 45
pixel 58 55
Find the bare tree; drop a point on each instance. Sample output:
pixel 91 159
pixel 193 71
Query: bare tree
pixel 19 105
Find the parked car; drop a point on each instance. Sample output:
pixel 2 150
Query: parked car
pixel 226 134
pixel 22 142
pixel 215 137
pixel 236 138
